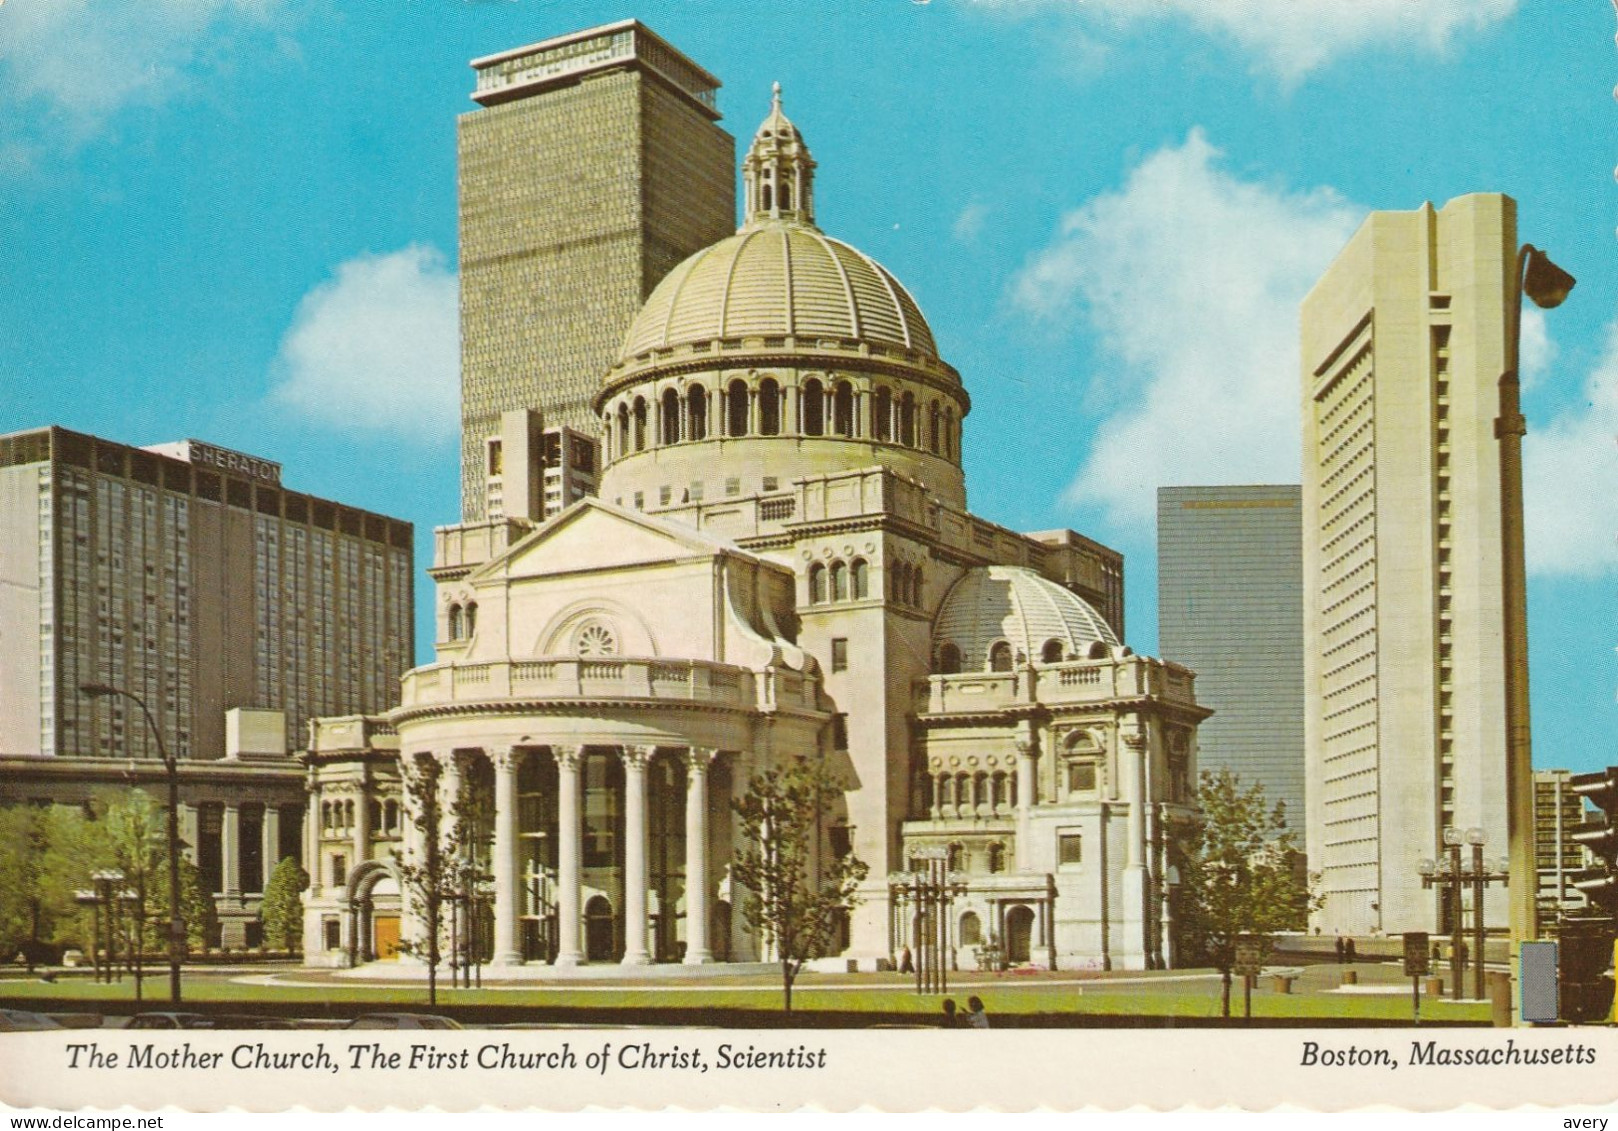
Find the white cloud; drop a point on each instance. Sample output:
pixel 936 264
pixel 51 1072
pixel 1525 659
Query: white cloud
pixel 1290 38
pixel 968 225
pixel 377 348
pixel 1535 350
pixel 1191 280
pixel 1569 469
pixel 86 59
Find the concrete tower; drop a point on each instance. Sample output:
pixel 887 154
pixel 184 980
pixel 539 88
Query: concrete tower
pixel 1404 339
pixel 592 167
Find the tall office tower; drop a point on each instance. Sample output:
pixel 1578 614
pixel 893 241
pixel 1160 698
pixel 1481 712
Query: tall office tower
pixel 592 167
pixel 1558 859
pixel 535 472
pixel 1230 607
pixel 187 575
pixel 1403 343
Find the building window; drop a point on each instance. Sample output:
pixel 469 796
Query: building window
pixel 339 870
pixel 669 417
pixel 664 494
pixel 595 639
pixel 971 929
pixel 839 732
pixel 949 659
pixel 1081 776
pixel 1051 653
pixel 640 424
pixel 843 409
pixel 471 618
pixel 1000 657
pixel 696 408
pixel 813 409
pixel 769 407
pixel 840 840
pixel 839 654
pixel 997 858
pixel 456 622
pixel 858 577
pixel 1069 848
pixel 496 458
pixel 839 582
pixel 736 408
pixel 817 584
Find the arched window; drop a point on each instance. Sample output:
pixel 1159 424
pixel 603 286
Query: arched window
pixel 1000 657
pixel 736 408
pixel 325 814
pixel 949 659
pixel 348 814
pixel 1051 653
pixel 390 815
pixel 932 428
pixel 1098 650
pixel 696 409
pixel 471 618
pixel 949 433
pixel 907 420
pixel 915 587
pixel 813 408
pixel 769 407
pixel 374 810
pixel 456 624
pixel 623 430
pixel 595 639
pixel 767 197
pixel 882 414
pixel 843 409
pixel 839 582
pixel 957 858
pixel 640 424
pixel 858 580
pixel 817 584
pixel 901 583
pixel 971 929
pixel 997 857
pixel 786 196
pixel 669 417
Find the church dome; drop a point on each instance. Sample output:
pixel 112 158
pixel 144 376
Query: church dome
pixel 995 616
pixel 780 278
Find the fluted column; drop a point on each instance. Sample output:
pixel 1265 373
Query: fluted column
pixel 697 950
pixel 1025 797
pixel 230 851
pixel 270 845
pixel 569 760
pixel 635 759
pixel 362 825
pixel 506 886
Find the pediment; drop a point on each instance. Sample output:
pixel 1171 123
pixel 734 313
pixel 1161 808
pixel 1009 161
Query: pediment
pixel 593 535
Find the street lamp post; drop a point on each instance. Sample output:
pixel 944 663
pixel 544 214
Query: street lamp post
pixel 929 892
pixel 1546 285
pixel 1454 878
pixel 171 767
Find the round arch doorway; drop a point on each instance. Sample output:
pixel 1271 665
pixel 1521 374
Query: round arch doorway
pixel 598 930
pixel 1019 933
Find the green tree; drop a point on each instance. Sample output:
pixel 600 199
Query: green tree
pixel 24 915
pixel 282 909
pixel 1237 874
pixel 798 892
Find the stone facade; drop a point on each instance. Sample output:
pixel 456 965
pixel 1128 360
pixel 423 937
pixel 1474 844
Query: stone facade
pixel 1404 340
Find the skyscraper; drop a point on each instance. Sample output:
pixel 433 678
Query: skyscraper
pixel 1404 340
pixel 185 574
pixel 593 165
pixel 1230 607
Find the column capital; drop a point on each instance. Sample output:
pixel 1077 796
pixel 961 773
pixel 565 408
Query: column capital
pixel 506 759
pixel 699 758
pixel 1133 739
pixel 636 756
pixel 1027 747
pixel 568 756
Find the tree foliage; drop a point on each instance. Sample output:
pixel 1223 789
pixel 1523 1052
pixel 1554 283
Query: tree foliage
pixel 1237 874
pixel 798 892
pixel 282 909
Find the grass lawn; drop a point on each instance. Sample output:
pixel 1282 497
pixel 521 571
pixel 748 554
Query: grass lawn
pixel 1172 999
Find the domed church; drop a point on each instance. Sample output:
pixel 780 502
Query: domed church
pixel 778 563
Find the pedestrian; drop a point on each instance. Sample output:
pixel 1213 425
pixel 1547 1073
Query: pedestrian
pixel 976 1017
pixel 951 1021
pixel 1339 943
pixel 907 964
pixel 1348 951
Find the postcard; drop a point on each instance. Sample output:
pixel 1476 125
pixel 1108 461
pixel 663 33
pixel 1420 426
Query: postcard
pixel 933 554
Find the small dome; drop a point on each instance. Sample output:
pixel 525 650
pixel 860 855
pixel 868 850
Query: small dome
pixel 1037 618
pixel 779 278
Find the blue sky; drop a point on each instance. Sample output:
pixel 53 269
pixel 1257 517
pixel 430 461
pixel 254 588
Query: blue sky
pixel 235 220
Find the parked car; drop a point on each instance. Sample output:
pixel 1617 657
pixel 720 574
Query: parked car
pixel 169 1020
pixel 22 1020
pixel 250 1021
pixel 403 1021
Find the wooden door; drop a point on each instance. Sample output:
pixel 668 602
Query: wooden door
pixel 385 929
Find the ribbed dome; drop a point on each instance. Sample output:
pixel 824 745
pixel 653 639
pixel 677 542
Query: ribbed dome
pixel 1017 605
pixel 779 278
